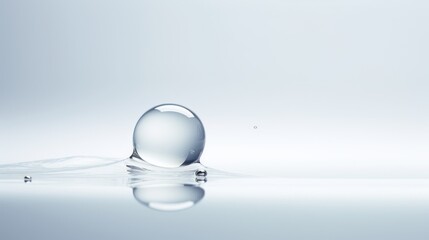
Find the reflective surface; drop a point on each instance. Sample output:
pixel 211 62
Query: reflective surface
pixel 230 209
pixel 96 198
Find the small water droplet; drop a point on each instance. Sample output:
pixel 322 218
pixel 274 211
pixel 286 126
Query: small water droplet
pixel 255 127
pixel 169 136
pixel 27 179
pixel 201 173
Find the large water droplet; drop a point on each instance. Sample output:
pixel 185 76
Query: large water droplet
pixel 169 136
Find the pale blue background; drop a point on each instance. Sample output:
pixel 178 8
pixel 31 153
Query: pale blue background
pixel 337 87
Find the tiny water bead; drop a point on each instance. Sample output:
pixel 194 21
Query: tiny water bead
pixel 200 176
pixel 27 179
pixel 201 173
pixel 169 136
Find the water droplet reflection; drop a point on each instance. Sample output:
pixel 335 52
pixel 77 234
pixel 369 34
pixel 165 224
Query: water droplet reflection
pixel 168 196
pixel 200 179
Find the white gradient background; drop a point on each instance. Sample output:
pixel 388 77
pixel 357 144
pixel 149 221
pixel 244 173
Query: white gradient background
pixel 337 88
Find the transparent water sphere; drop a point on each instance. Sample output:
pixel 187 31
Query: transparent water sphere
pixel 169 136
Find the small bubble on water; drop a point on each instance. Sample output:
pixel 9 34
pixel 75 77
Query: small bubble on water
pixel 27 179
pixel 201 173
